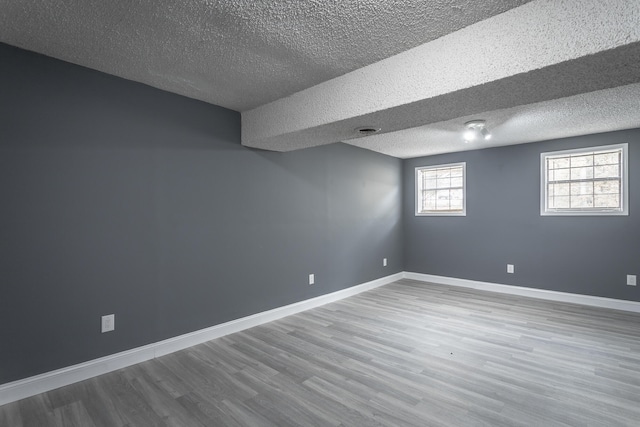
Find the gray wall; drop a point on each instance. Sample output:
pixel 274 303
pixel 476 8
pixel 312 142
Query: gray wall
pixel 583 255
pixel 120 198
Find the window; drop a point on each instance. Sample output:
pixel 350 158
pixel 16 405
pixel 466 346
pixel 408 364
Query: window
pixel 589 181
pixel 440 190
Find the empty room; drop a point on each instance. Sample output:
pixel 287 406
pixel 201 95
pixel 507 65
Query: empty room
pixel 316 213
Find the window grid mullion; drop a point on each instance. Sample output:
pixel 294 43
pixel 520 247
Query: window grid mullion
pixel 436 183
pixel 598 196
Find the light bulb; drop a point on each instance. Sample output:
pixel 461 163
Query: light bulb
pixel 475 129
pixel 469 135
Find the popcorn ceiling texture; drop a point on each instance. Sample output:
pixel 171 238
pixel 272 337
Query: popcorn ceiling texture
pixel 238 54
pixel 544 50
pixel 589 113
pixel 307 73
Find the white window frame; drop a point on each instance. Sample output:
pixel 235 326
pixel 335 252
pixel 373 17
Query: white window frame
pixel 464 190
pixel 624 183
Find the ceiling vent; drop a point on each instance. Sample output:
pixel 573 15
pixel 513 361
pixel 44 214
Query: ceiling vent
pixel 367 130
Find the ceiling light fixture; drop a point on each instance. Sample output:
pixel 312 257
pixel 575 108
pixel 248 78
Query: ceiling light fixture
pixel 476 129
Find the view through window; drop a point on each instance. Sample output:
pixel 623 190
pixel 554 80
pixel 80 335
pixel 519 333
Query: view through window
pixel 584 181
pixel 440 190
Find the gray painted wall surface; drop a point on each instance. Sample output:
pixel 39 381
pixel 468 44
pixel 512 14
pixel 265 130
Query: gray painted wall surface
pixel 583 255
pixel 120 198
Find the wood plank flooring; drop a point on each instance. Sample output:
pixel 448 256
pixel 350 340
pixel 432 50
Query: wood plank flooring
pixel 406 354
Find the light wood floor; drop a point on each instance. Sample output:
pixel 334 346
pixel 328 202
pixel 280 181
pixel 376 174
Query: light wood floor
pixel 406 354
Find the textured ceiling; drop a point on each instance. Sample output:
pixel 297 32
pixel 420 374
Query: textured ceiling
pixel 541 51
pixel 239 54
pixel 308 72
pixel 593 112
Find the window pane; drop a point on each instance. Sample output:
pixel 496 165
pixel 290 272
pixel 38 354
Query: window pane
pixel 444 182
pixel 581 188
pixel 612 158
pixel 586 182
pixel 456 204
pixel 582 173
pixel 442 194
pixel 560 202
pixel 562 162
pixel 582 202
pixel 561 189
pixel 611 171
pixel 442 201
pixel 456 171
pixel 437 187
pixel 430 183
pixel 561 175
pixel 443 173
pixel 608 201
pixel 428 174
pixel 429 200
pixel 582 160
pixel 606 187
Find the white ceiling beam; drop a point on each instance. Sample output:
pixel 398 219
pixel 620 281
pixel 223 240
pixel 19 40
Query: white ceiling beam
pixel 546 49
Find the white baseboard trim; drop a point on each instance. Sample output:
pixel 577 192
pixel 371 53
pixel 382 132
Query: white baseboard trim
pixel 13 391
pixel 589 300
pixel 37 384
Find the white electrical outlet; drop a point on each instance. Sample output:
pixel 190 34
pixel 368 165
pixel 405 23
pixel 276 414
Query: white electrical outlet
pixel 312 279
pixel 631 279
pixel 384 262
pixel 510 268
pixel 108 323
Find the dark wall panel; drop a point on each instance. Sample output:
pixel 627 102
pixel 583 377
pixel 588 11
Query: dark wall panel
pixel 584 255
pixel 120 198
